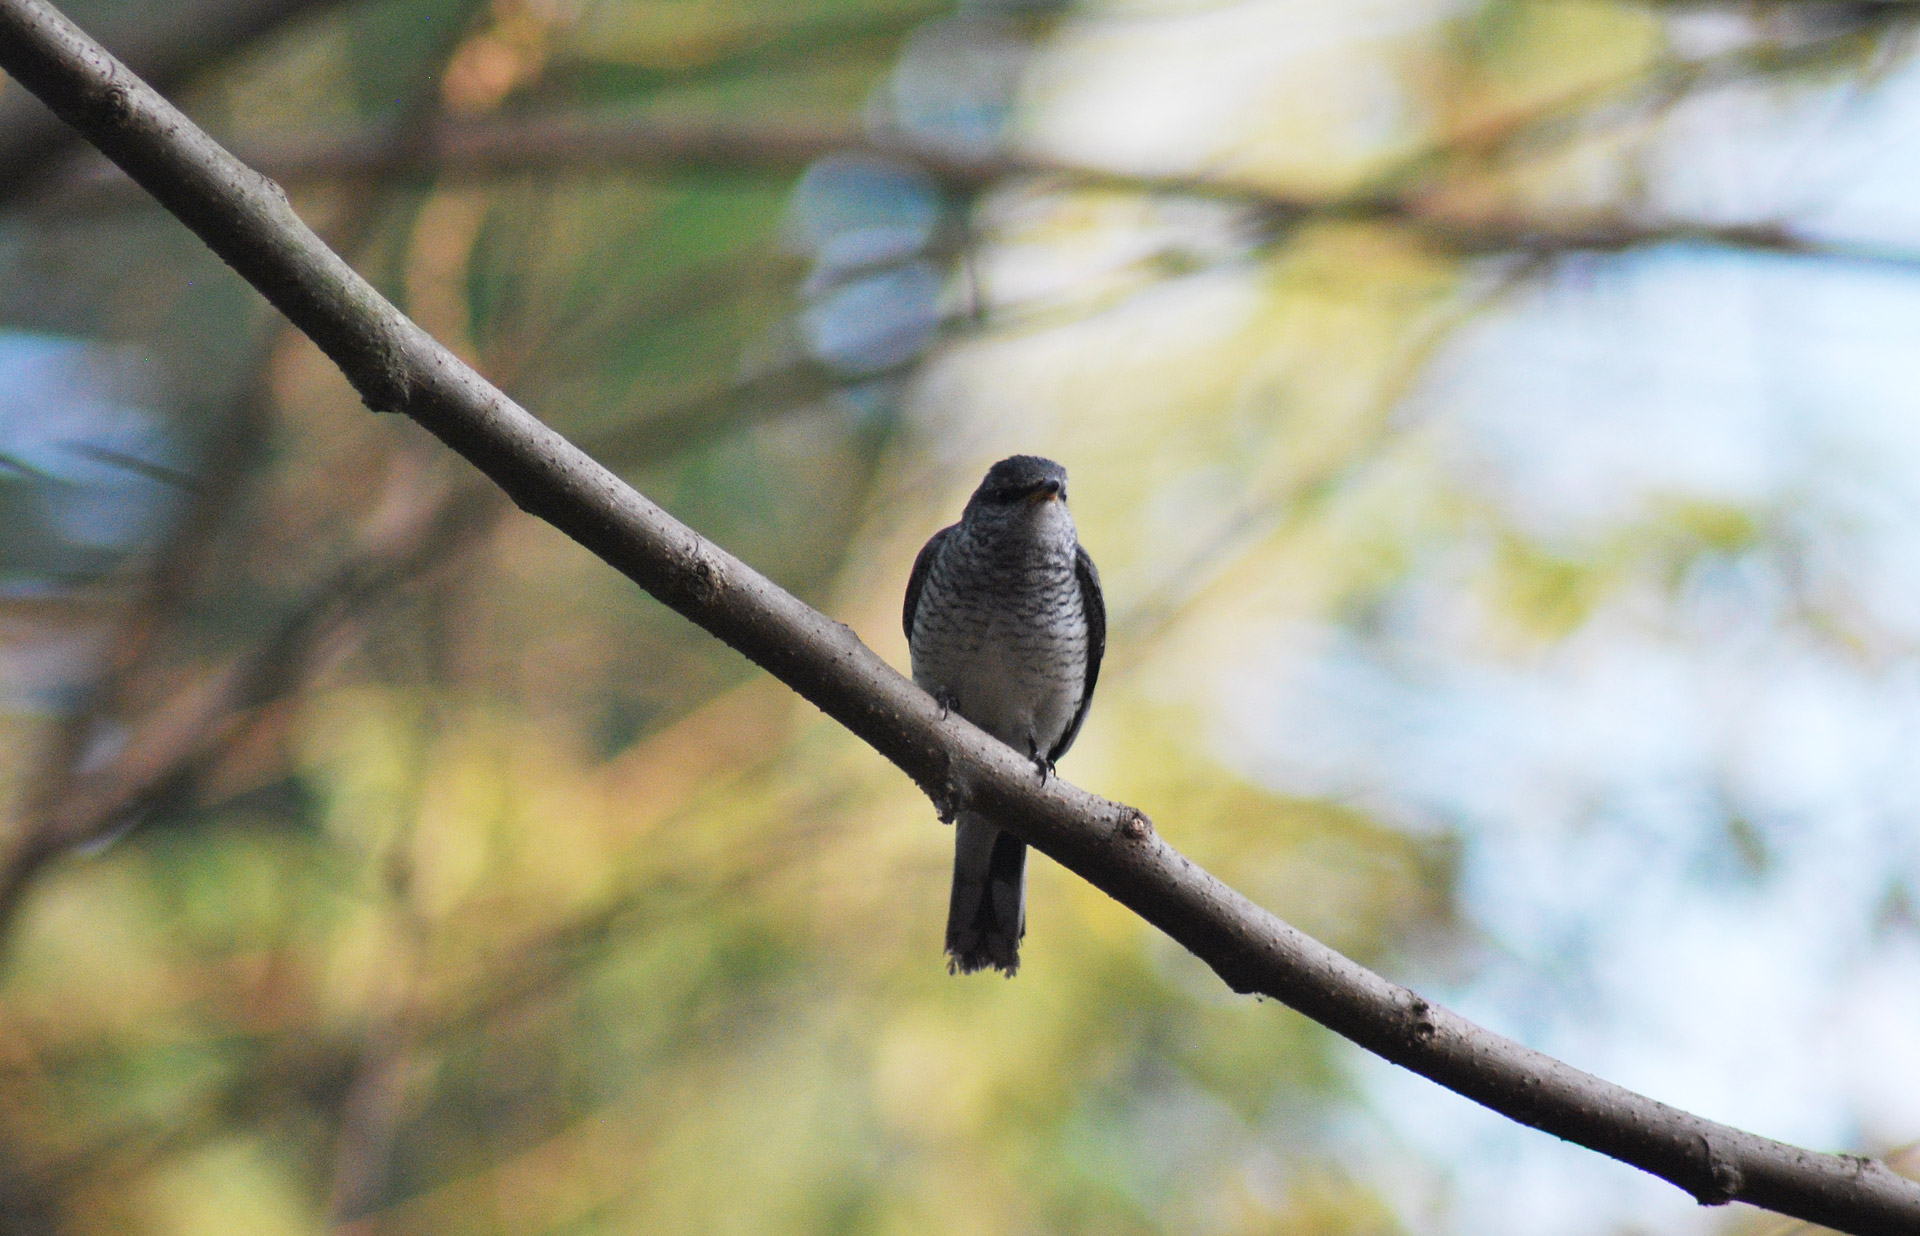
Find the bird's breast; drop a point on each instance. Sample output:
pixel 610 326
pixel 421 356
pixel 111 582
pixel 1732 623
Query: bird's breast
pixel 1006 641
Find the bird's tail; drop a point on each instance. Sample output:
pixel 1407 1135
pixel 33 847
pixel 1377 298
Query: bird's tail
pixel 988 913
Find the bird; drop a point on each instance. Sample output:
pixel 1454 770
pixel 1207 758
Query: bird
pixel 1006 625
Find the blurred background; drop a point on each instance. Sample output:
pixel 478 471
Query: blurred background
pixel 1495 423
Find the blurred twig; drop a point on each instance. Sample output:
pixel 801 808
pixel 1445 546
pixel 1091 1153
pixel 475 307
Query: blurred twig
pixel 571 337
pixel 168 576
pixel 1409 191
pixel 415 532
pixel 1276 511
pixel 385 1076
pixel 513 145
pixel 164 44
pixel 652 436
pixel 758 49
pixel 195 724
pixel 287 1067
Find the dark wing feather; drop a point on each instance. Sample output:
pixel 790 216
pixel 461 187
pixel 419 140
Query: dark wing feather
pixel 1094 603
pixel 918 579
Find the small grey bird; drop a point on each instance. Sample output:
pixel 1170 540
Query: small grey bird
pixel 1007 626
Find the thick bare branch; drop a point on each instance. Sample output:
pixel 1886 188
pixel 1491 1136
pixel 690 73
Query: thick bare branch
pixel 397 367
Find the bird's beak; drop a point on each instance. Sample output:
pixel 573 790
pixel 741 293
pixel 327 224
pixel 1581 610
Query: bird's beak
pixel 1049 491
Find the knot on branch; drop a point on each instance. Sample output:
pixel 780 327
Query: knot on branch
pixel 110 100
pixel 1720 1177
pixel 704 578
pixel 947 788
pixel 385 381
pixel 1422 1024
pixel 1134 824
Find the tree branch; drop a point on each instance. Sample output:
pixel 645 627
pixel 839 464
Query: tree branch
pixel 397 367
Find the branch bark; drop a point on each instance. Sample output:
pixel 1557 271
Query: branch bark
pixel 397 367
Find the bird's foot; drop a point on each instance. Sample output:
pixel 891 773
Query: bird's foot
pixel 946 700
pixel 1041 764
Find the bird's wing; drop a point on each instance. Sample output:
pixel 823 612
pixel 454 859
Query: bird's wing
pixel 1094 603
pixel 918 579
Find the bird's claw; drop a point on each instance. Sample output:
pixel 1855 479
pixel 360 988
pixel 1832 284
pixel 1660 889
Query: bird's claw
pixel 944 698
pixel 1041 764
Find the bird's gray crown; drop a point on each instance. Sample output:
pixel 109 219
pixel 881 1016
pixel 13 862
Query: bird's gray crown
pixel 1016 478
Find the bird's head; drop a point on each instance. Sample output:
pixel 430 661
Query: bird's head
pixel 1020 485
